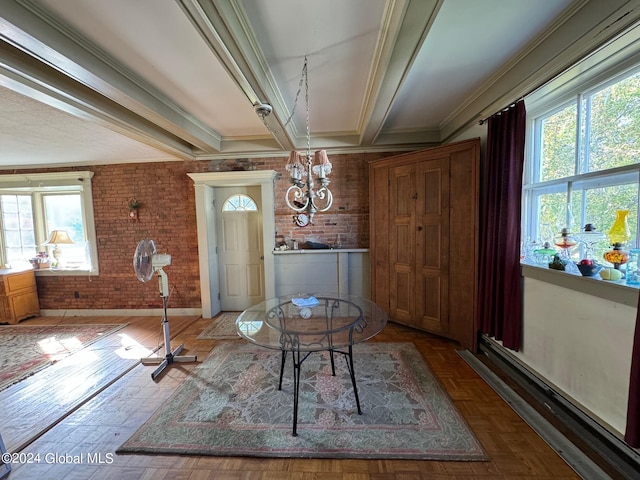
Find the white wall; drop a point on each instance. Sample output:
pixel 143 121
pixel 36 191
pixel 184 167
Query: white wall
pixel 343 271
pixel 582 345
pixel 579 343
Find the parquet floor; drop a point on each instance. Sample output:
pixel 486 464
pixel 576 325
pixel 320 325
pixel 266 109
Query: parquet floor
pixel 104 419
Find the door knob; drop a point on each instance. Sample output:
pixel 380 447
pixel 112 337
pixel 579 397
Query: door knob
pixel 419 228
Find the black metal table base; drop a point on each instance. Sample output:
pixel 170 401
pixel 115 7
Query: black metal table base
pixel 298 359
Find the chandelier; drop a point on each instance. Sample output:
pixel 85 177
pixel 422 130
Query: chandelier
pixel 303 197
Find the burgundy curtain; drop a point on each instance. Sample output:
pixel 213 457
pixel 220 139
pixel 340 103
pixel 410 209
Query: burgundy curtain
pixel 632 432
pixel 500 281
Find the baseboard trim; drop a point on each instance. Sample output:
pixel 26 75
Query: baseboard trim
pixel 619 455
pixel 144 312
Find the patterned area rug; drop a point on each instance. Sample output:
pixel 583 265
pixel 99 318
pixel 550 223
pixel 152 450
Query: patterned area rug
pixel 222 327
pixel 231 406
pixel 29 348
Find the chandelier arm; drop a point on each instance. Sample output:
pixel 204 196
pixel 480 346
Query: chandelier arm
pixel 298 195
pixel 324 194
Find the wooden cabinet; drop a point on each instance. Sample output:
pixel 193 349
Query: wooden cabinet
pixel 18 295
pixel 424 239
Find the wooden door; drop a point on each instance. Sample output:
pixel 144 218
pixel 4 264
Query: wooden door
pixel 402 242
pixel 432 246
pixel 424 239
pixel 240 252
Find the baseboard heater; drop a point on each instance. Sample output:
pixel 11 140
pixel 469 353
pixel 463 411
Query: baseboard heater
pixel 612 449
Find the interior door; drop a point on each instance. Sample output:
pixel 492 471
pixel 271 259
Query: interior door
pixel 240 249
pixel 432 245
pixel 402 242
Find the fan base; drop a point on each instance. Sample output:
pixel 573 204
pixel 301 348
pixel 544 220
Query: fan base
pixel 167 360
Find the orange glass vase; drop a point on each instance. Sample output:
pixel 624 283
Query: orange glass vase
pixel 617 256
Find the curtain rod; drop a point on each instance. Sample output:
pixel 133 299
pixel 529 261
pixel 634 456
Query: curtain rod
pixel 511 105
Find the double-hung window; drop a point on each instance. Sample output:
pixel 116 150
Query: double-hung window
pixel 33 206
pixel 583 155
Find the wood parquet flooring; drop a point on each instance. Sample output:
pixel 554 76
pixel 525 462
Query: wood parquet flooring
pixel 105 421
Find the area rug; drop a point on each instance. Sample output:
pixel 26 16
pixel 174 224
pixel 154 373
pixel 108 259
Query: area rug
pixel 221 327
pixel 25 349
pixel 231 406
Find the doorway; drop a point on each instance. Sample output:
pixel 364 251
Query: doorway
pixel 206 186
pixel 240 246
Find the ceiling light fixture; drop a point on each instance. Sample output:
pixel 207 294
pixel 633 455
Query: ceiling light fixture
pixel 301 196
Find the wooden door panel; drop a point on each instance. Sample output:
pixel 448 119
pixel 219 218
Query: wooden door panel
pixel 403 236
pixel 402 298
pixel 432 250
pixel 430 303
pixel 402 242
pixel 431 247
pixel 431 188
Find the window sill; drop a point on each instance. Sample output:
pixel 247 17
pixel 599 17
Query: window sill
pixel 615 291
pixel 56 272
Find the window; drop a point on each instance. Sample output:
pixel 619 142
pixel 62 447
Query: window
pixel 34 205
pixel 239 203
pixel 583 161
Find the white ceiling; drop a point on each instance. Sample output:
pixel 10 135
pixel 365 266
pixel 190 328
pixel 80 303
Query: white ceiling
pixel 89 81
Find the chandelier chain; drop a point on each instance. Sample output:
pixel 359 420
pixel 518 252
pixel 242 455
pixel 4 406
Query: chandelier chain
pixel 306 100
pixel 303 78
pixel 301 196
pixel 301 83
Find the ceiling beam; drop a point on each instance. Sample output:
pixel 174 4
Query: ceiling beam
pixel 406 26
pixel 224 28
pixel 29 77
pixel 25 25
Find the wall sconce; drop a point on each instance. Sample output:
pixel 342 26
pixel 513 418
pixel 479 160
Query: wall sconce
pixel 134 206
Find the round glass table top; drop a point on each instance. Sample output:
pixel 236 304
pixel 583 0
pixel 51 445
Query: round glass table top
pixel 311 322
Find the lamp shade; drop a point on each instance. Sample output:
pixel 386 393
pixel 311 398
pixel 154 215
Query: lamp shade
pixel 58 237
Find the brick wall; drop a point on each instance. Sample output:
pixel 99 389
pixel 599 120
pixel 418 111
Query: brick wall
pixel 167 215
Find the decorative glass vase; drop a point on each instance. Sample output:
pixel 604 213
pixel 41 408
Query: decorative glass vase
pixel 633 267
pixel 617 256
pixel 620 232
pixel 565 241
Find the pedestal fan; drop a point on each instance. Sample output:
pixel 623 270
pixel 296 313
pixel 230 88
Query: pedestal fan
pixel 146 262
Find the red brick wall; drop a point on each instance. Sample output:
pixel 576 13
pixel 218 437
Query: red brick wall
pixel 167 215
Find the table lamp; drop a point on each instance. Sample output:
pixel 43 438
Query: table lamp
pixel 57 237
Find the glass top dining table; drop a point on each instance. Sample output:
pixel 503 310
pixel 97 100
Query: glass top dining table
pixel 336 321
pixel 301 324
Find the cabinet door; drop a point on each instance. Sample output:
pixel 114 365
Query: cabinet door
pixel 432 246
pixel 402 242
pixel 424 239
pixel 25 305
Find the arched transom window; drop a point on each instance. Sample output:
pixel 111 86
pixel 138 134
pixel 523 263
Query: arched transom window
pixel 239 203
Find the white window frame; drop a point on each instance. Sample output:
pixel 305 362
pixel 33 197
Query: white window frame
pixel 610 64
pixel 252 203
pixel 77 181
